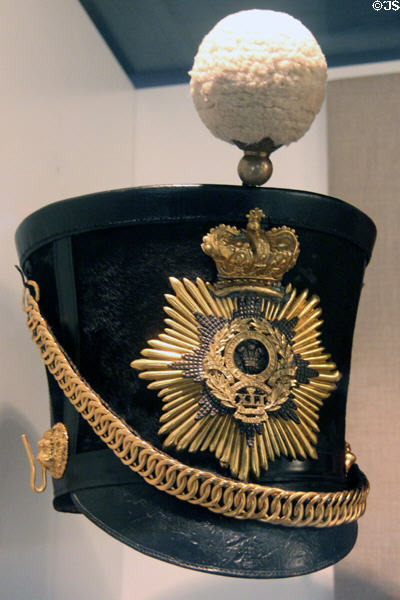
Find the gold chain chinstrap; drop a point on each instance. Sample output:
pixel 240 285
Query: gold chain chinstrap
pixel 219 494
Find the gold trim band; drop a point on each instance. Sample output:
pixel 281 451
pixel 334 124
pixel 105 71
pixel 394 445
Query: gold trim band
pixel 219 494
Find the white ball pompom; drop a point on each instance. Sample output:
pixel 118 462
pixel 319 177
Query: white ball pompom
pixel 258 74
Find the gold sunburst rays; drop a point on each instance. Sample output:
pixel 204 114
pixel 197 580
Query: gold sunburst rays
pixel 173 365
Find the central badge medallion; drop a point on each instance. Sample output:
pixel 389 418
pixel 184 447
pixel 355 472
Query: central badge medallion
pixel 239 367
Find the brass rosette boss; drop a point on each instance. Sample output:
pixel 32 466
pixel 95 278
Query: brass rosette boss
pixel 52 455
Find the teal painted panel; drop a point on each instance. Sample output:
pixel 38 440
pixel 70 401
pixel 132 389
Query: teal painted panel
pixel 155 40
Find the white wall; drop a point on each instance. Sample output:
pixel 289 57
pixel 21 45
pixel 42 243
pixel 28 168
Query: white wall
pixel 173 146
pixel 364 134
pixel 73 124
pixel 66 129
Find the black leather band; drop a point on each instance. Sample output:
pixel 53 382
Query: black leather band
pixel 68 322
pixel 94 469
pixel 206 203
pixel 101 468
pixel 326 471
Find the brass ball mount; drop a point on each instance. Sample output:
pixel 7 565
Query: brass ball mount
pixel 255 167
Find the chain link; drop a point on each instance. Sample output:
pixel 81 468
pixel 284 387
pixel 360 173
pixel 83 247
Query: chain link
pixel 219 494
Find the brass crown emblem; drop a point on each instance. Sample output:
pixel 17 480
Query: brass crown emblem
pixel 251 259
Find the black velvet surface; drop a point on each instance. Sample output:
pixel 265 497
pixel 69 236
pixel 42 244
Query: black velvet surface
pixel 121 276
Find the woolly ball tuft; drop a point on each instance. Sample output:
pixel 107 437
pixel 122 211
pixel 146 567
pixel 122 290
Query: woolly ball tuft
pixel 258 74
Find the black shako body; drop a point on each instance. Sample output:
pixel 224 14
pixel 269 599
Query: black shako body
pixel 102 263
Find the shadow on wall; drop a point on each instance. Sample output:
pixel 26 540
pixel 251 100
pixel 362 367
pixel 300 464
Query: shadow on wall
pixel 21 512
pixel 353 586
pixel 46 555
pixel 301 588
